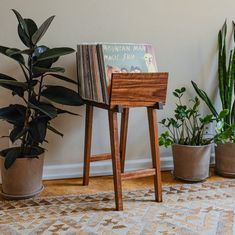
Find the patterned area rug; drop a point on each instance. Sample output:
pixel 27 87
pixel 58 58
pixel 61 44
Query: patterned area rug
pixel 205 208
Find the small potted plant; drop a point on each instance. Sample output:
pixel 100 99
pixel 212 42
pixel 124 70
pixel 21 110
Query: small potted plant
pixel 225 128
pixel 186 134
pixel 21 167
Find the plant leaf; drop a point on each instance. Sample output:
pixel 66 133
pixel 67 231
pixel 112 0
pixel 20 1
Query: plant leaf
pixel 202 94
pixel 10 157
pixel 42 30
pixel 47 109
pixel 54 130
pixel 22 22
pixel 14 114
pixel 16 89
pixel 17 133
pixel 61 77
pixel 39 70
pixel 62 95
pixel 32 28
pixel 38 129
pixel 17 57
pixel 55 53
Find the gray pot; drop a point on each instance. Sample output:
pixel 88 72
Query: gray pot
pixel 225 160
pixel 191 163
pixel 23 179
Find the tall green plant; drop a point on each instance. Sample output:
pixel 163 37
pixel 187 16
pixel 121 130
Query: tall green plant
pixel 32 117
pixel 226 79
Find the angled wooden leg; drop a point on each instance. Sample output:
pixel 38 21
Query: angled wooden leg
pixel 123 137
pixel 113 129
pixel 153 130
pixel 87 145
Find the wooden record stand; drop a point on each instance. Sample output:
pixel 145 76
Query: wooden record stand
pixel 128 90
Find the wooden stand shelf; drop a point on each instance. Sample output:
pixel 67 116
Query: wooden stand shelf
pixel 128 90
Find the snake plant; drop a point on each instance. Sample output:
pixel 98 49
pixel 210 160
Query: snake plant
pixel 31 116
pixel 226 80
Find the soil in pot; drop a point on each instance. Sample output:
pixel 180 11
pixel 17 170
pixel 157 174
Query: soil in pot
pixel 225 160
pixel 23 179
pixel 191 163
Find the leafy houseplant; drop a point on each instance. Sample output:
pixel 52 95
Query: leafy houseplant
pixel 186 134
pixel 225 128
pixel 31 118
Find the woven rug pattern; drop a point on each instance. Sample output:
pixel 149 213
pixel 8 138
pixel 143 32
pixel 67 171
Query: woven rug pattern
pixel 204 208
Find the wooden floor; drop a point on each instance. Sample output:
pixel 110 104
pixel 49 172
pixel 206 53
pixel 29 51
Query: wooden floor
pixel 105 183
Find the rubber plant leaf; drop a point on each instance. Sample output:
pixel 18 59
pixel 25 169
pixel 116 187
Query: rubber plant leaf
pixel 42 30
pixel 62 95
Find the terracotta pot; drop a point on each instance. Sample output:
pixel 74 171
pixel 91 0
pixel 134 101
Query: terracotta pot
pixel 191 163
pixel 23 179
pixel 225 160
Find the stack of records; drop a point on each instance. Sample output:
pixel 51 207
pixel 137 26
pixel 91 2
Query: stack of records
pixel 97 62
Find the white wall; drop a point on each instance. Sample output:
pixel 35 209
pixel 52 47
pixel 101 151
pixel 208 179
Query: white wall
pixel 183 32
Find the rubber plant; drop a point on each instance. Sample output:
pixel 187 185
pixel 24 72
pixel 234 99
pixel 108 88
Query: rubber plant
pixel 31 117
pixel 226 78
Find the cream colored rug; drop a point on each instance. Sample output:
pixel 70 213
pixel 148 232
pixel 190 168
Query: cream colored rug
pixel 205 208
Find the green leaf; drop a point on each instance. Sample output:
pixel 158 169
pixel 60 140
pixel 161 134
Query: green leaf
pixel 61 77
pixel 17 133
pixel 42 30
pixel 32 28
pixel 62 95
pixel 13 83
pixel 17 57
pixel 40 70
pixel 62 111
pixel 15 88
pixel 38 129
pixel 54 130
pixel 223 114
pixel 14 114
pixel 22 22
pixel 202 94
pixel 55 53
pixel 47 109
pixel 11 157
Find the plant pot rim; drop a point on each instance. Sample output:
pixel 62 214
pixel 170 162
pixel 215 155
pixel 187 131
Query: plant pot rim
pixel 193 146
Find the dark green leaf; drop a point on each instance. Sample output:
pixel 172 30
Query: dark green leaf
pixel 32 28
pixel 47 109
pixel 17 57
pixel 17 133
pixel 61 111
pixel 55 53
pixel 39 70
pixel 202 94
pixel 62 95
pixel 11 157
pixel 16 89
pixel 38 128
pixel 14 114
pixel 54 130
pixel 42 30
pixel 61 77
pixel 22 22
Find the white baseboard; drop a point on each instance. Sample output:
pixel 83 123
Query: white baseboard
pixel 67 171
pixel 102 168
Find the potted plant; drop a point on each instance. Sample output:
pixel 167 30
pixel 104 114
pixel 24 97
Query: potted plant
pixel 186 134
pixel 21 167
pixel 225 128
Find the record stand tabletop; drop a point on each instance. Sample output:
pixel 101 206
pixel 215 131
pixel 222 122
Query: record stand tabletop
pixel 128 90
